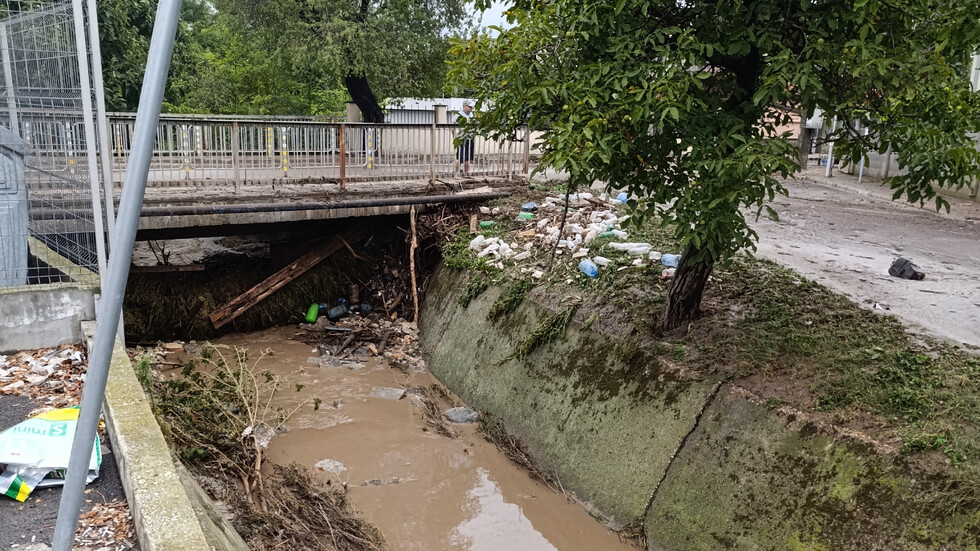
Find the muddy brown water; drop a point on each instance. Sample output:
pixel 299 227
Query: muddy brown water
pixel 423 490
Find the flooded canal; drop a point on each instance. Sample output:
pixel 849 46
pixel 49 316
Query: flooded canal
pixel 425 491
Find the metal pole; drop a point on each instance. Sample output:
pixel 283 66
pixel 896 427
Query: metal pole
pixel 235 152
pixel 343 157
pixel 830 149
pixel 8 78
pixel 975 73
pixel 107 185
pixel 151 99
pixel 432 155
pixel 88 123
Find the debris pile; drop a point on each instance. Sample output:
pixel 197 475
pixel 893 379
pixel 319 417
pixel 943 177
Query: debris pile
pixel 588 218
pixel 52 377
pixel 354 339
pixel 106 527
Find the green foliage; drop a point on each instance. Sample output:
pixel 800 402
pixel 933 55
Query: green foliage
pixel 474 288
pixel 398 46
pixel 510 299
pixel 142 368
pixel 549 331
pixel 457 255
pixel 681 102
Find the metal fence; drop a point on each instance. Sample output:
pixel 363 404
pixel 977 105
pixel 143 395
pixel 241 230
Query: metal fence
pixel 245 150
pixel 50 196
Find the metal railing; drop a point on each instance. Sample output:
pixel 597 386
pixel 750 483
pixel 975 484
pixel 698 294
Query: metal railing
pixel 246 150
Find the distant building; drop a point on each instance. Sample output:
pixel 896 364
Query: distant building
pixel 421 110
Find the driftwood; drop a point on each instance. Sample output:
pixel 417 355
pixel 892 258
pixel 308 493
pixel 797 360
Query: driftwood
pixel 411 266
pixel 240 304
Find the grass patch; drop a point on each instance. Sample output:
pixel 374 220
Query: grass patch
pixel 853 360
pixel 549 331
pixel 474 288
pixel 510 299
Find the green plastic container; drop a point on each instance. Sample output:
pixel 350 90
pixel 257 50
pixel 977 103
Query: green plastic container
pixel 525 215
pixel 487 224
pixel 313 313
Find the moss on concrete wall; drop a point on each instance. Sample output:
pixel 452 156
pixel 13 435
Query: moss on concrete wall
pixel 580 405
pixel 613 424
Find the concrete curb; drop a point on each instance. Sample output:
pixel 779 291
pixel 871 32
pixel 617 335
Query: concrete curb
pixel 164 517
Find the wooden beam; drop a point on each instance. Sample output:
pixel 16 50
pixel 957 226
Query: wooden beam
pixel 256 294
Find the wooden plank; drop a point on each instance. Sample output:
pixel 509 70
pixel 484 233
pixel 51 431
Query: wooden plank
pixel 240 304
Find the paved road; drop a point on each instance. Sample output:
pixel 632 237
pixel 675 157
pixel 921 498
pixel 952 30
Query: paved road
pixel 845 235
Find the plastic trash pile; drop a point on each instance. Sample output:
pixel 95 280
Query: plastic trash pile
pixel 589 217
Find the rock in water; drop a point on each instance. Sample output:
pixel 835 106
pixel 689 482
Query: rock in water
pixel 462 415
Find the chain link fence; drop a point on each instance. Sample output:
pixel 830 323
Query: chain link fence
pixel 50 215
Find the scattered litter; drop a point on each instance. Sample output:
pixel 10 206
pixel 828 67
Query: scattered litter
pixel 601 261
pixel 484 224
pixel 106 527
pixel 53 377
pixel 331 466
pixel 462 415
pixel 588 268
pixel 668 273
pixel 905 269
pixel 529 207
pixel 484 210
pixel 34 453
pixel 386 482
pixel 670 260
pixel 387 393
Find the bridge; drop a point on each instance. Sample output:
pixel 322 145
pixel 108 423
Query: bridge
pixel 211 172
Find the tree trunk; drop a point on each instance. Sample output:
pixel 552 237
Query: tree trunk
pixel 685 291
pixel 361 94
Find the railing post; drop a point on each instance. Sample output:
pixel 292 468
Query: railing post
pixel 235 152
pixel 8 79
pixel 432 155
pixel 343 157
pixel 285 151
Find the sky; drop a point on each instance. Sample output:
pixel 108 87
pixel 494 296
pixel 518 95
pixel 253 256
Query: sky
pixel 493 15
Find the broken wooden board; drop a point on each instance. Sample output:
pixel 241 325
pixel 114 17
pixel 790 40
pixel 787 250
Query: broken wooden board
pixel 240 304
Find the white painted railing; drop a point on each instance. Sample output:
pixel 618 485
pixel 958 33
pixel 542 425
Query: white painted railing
pixel 242 150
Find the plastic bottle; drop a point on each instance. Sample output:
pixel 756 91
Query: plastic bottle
pixel 484 224
pixel 622 197
pixel 671 260
pixel 588 268
pixel 338 312
pixel 521 216
pixel 312 313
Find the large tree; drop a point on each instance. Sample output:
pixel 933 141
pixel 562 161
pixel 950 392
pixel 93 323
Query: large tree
pixel 679 102
pixel 378 48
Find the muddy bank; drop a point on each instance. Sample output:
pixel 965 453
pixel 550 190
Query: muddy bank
pixel 696 461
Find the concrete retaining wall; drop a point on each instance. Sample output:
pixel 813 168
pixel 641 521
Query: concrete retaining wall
pixel 699 464
pixel 44 316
